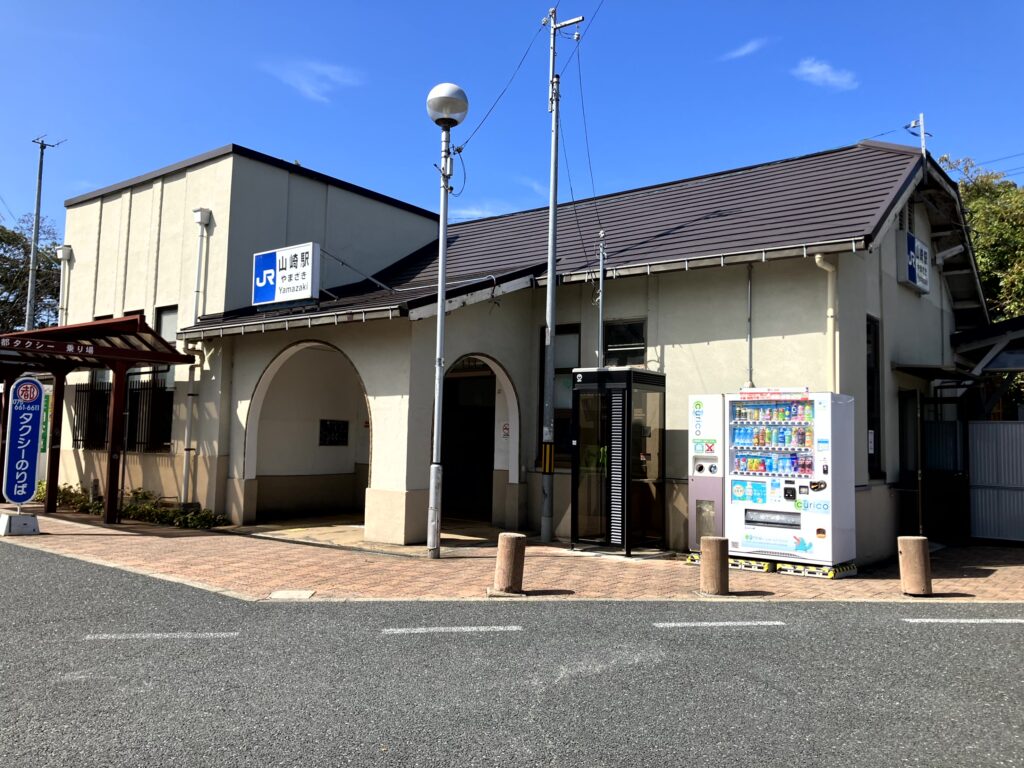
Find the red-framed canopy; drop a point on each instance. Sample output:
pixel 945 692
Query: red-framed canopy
pixel 120 344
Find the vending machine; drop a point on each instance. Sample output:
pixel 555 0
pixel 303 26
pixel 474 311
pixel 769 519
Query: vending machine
pixel 706 488
pixel 790 476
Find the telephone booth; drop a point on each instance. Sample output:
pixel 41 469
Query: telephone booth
pixel 618 458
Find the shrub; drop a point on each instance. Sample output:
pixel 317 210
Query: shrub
pixel 139 504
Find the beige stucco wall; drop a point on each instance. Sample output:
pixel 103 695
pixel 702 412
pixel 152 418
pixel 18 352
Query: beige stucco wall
pixel 136 249
pixel 272 207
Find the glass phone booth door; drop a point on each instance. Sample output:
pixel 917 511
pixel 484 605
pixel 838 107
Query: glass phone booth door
pixel 618 488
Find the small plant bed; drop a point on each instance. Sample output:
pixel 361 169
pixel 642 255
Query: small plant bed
pixel 139 504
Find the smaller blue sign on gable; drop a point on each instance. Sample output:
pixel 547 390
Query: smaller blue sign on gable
pixel 24 427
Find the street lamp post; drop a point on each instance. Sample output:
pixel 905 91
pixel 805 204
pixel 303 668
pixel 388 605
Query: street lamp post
pixel 447 106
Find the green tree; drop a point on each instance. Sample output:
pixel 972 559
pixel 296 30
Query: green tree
pixel 995 215
pixel 15 249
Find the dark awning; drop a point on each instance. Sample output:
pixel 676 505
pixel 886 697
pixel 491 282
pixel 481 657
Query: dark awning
pixel 97 344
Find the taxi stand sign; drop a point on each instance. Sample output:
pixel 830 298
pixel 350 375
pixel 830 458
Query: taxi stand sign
pixel 24 428
pixel 286 274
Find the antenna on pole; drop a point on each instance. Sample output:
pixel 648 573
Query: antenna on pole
pixel 547 455
pixel 919 124
pixel 30 302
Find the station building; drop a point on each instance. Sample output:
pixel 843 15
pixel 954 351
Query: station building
pixel 846 270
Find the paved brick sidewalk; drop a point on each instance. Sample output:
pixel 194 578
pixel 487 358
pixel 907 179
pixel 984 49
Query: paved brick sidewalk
pixel 253 568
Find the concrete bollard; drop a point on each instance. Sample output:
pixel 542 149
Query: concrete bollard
pixel 714 565
pixel 508 567
pixel 915 566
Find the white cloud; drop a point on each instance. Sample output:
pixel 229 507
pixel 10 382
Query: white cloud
pixel 533 184
pixel 315 80
pixel 483 211
pixel 824 74
pixel 746 49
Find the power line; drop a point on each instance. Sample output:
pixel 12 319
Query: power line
pixel 14 219
pixel 586 138
pixel 479 125
pixel 998 159
pixel 582 35
pixel 572 196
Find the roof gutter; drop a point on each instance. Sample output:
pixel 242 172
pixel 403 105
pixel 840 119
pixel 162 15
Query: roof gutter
pixel 289 323
pixel 804 250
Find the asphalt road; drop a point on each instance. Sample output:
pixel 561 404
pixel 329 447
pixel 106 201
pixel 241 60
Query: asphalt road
pixel 100 667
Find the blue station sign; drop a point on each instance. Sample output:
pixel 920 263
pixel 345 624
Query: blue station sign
pixel 915 272
pixel 286 274
pixel 24 429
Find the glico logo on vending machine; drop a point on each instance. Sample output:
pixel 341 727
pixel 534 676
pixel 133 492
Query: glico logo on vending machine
pixel 698 417
pixel 812 506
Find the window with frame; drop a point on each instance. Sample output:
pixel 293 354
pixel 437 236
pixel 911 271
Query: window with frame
pixel 874 397
pixel 567 357
pixel 625 343
pixel 149 406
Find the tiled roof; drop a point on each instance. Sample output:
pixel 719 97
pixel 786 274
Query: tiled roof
pixel 840 196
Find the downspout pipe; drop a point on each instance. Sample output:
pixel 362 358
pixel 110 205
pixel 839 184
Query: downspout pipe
pixel 65 255
pixel 830 320
pixel 750 326
pixel 202 218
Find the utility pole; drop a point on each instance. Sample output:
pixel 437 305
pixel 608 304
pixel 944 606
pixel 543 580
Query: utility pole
pixel 30 303
pixel 600 302
pixel 547 454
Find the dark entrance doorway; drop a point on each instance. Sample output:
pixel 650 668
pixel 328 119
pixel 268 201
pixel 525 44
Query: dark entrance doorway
pixel 467 441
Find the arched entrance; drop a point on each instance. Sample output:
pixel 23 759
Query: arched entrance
pixel 480 443
pixel 307 441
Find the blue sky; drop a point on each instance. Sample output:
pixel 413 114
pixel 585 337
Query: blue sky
pixel 670 89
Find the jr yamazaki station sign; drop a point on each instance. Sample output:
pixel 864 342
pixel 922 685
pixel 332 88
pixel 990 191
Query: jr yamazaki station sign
pixel 286 274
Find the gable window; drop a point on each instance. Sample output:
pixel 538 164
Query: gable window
pixel 625 343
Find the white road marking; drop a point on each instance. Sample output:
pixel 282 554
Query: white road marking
pixel 674 624
pixel 426 630
pixel 164 636
pixel 964 621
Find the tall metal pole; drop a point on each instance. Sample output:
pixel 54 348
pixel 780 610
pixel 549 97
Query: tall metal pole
pixel 547 454
pixel 434 501
pixel 30 303
pixel 600 302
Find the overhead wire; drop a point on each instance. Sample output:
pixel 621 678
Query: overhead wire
pixel 583 34
pixel 14 219
pixel 999 159
pixel 572 196
pixel 460 147
pixel 586 138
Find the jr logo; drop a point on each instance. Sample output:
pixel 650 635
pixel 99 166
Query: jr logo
pixel 264 277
